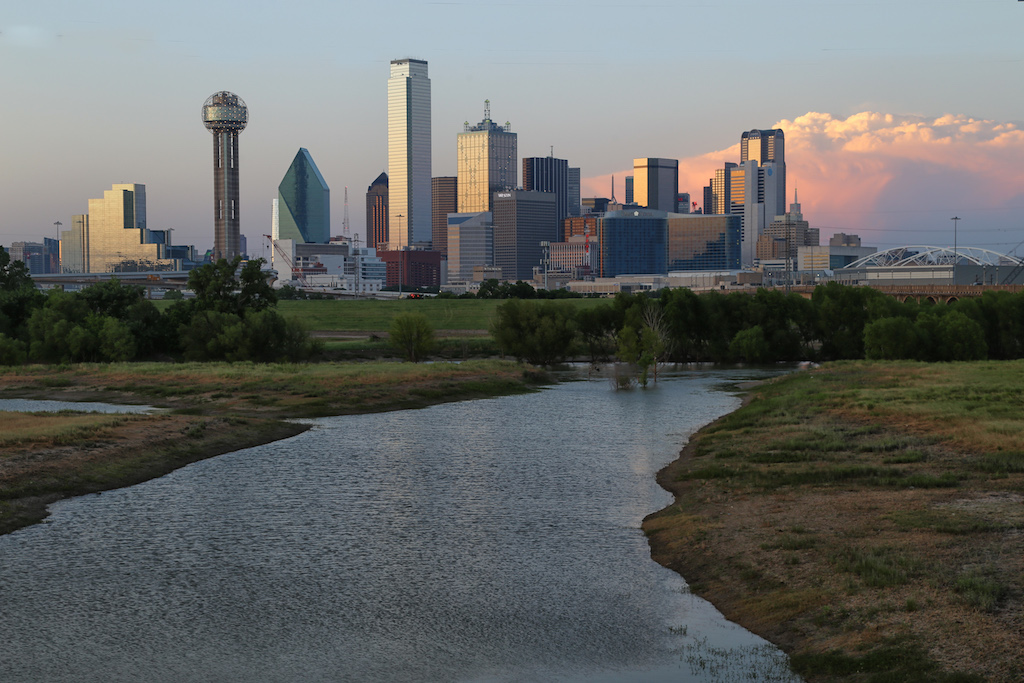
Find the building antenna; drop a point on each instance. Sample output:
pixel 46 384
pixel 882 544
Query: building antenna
pixel 552 151
pixel 613 189
pixel 344 220
pixel 487 110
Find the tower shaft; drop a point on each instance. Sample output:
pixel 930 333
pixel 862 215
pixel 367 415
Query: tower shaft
pixel 225 194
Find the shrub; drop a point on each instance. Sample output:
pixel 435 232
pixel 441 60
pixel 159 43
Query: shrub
pixel 412 335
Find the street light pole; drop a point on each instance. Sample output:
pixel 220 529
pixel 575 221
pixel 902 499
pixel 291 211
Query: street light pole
pixel 955 219
pixel 399 216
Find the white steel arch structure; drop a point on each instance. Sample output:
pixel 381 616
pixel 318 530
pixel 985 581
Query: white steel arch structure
pixel 918 255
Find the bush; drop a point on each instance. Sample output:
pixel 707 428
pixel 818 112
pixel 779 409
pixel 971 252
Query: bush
pixel 412 335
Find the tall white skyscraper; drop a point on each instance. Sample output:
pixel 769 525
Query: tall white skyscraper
pixel 409 166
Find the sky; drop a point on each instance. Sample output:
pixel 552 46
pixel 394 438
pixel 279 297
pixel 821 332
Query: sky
pixel 898 114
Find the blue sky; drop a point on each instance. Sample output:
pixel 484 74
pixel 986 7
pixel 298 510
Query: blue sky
pixel 97 93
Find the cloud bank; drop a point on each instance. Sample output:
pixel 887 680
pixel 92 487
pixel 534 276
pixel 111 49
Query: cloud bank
pixel 896 179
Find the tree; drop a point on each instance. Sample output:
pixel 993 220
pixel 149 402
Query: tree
pixel 412 335
pixel 538 332
pixel 222 287
pixel 891 339
pixel 14 275
pixel 750 345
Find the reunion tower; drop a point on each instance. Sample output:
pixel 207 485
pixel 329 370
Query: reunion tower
pixel 225 115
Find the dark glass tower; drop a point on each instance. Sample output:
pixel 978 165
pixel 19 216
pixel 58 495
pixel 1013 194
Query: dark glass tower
pixel 445 199
pixel 304 203
pixel 225 115
pixel 377 213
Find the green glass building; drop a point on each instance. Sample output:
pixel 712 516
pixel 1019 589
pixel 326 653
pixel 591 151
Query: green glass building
pixel 303 210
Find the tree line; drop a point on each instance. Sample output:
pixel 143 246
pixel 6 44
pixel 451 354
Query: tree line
pixel 232 317
pixel 837 322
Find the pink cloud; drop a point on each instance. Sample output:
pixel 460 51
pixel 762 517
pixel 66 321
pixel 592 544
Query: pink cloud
pixel 889 176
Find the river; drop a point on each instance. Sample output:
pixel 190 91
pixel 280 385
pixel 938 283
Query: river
pixel 491 540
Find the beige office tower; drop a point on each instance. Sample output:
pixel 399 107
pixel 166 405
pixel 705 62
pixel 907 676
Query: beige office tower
pixel 410 210
pixel 487 163
pixel 113 237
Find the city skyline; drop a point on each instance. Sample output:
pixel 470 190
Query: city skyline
pixel 892 126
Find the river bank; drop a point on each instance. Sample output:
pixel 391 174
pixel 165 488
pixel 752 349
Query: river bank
pixel 209 409
pixel 866 517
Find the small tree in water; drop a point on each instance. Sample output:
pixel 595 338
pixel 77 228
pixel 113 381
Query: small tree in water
pixel 412 335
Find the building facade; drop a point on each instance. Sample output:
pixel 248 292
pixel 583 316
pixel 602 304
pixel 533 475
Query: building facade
pixel 377 212
pixel 470 244
pixel 786 234
pixel 633 241
pixel 412 267
pixel 700 242
pixel 656 183
pixel 303 208
pixel 768 146
pixel 522 220
pixel 548 174
pixel 575 209
pixel 486 155
pixel 445 198
pixel 409 153
pixel 113 237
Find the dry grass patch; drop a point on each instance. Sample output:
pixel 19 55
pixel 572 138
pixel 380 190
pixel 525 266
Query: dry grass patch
pixel 56 428
pixel 864 514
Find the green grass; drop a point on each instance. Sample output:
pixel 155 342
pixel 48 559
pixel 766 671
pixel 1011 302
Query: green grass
pixel 980 591
pixel 371 315
pixel 879 567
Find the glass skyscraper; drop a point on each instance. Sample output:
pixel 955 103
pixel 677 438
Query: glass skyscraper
pixel 113 238
pixel 633 242
pixel 487 155
pixel 704 242
pixel 377 213
pixel 445 198
pixel 409 164
pixel 303 203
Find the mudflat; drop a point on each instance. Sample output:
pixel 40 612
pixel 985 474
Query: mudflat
pixel 866 517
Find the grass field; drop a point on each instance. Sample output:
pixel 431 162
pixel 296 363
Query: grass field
pixel 869 517
pixel 375 315
pixel 371 315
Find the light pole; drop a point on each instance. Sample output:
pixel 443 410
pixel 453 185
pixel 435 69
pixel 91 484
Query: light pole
pixel 955 219
pixel 545 246
pixel 399 217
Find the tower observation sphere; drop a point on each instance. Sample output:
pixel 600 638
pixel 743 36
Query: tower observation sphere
pixel 225 115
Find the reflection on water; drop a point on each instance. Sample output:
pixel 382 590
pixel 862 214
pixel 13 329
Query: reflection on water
pixel 25 405
pixel 492 540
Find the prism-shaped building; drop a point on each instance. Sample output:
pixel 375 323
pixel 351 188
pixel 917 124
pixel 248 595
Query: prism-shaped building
pixel 303 208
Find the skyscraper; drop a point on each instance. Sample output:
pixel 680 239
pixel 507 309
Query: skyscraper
pixel 548 174
pixel 377 213
pixel 225 115
pixel 445 198
pixel 113 237
pixel 575 209
pixel 656 183
pixel 486 156
pixel 765 146
pixel 303 203
pixel 409 161
pixel 521 221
